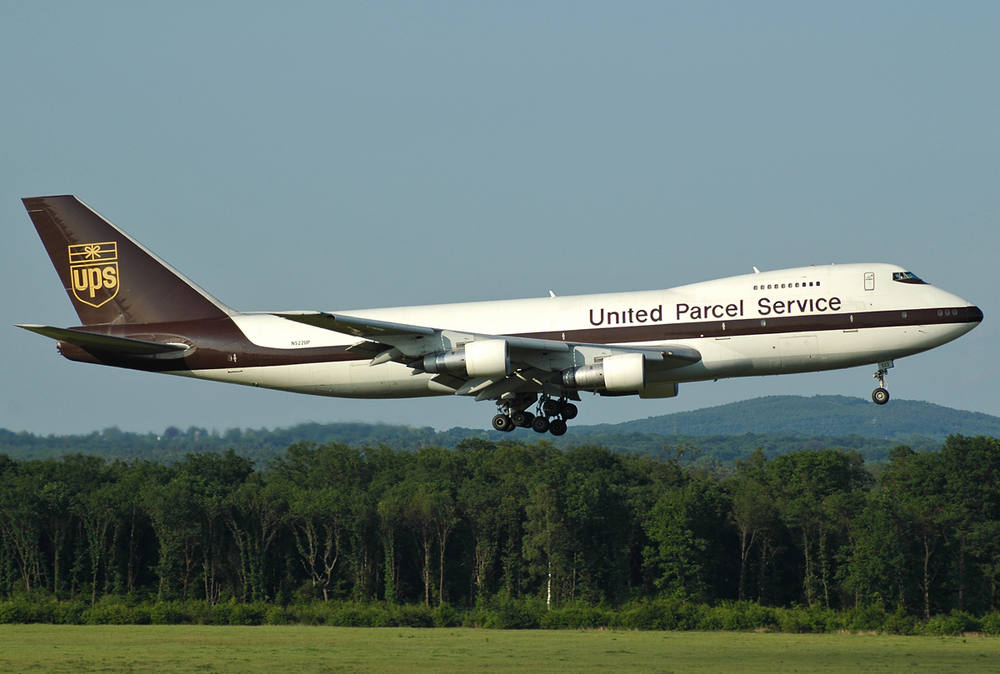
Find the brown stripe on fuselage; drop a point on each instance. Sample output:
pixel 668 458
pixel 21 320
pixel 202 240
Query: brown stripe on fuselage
pixel 217 341
pixel 660 332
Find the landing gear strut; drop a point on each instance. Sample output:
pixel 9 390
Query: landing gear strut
pixel 553 415
pixel 512 412
pixel 881 394
pixel 550 416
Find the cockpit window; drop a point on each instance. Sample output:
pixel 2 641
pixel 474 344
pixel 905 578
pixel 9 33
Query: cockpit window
pixel 906 277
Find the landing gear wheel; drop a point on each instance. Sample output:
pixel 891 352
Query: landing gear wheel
pixel 522 419
pixel 881 394
pixel 557 427
pixel 502 422
pixel 540 425
pixel 569 411
pixel 551 408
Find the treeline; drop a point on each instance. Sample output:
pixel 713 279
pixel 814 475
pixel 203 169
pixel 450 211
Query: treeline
pixel 510 522
pixel 263 445
pixel 174 443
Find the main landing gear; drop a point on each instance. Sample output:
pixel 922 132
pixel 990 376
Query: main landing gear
pixel 551 416
pixel 881 394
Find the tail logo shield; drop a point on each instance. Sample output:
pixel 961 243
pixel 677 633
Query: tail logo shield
pixel 93 270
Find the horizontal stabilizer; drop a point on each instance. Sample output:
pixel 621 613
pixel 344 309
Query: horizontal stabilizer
pixel 91 341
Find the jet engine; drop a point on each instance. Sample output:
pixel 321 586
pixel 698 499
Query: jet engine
pixel 624 372
pixel 481 358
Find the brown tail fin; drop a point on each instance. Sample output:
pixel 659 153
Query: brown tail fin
pixel 110 277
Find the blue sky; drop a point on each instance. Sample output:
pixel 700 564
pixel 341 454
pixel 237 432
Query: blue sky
pixel 344 156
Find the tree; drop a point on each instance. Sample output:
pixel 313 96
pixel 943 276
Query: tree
pixel 391 516
pixel 20 523
pixel 479 501
pixel 429 516
pixel 594 490
pixel 972 490
pixel 173 511
pixel 816 491
pixel 362 532
pixel 256 514
pixel 213 478
pixel 875 569
pixel 915 485
pixel 130 482
pixel 682 529
pixel 436 473
pixel 386 502
pixel 545 539
pixel 317 518
pixel 98 510
pixel 753 511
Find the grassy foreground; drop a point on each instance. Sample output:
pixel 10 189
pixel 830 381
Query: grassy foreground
pixel 184 648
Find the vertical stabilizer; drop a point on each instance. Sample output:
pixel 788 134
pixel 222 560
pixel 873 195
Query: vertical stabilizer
pixel 110 277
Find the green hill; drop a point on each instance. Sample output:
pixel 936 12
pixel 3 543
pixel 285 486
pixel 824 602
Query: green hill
pixel 831 416
pixel 724 433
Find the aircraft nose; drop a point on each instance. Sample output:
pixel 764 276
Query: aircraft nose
pixel 975 314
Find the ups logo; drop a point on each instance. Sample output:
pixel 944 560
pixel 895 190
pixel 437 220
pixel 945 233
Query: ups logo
pixel 93 270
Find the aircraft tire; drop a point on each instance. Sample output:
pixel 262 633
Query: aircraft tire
pixel 551 408
pixel 522 419
pixel 540 425
pixel 557 427
pixel 503 423
pixel 880 396
pixel 569 411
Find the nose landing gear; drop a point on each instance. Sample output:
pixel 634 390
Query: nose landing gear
pixel 881 395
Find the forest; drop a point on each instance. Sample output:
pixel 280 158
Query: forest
pixel 586 526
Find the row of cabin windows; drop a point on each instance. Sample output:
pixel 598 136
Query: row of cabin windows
pixel 776 286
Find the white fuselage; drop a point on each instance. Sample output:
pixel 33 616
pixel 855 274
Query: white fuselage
pixel 795 320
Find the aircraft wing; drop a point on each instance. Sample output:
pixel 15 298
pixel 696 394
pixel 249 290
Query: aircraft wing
pixel 391 334
pixel 358 327
pixel 534 361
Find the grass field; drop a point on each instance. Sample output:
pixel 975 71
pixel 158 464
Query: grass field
pixel 53 648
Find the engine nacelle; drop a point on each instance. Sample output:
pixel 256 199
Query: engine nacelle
pixel 487 358
pixel 481 358
pixel 624 372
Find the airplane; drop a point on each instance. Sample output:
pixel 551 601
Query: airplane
pixel 537 354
